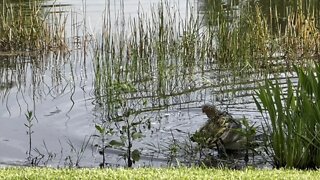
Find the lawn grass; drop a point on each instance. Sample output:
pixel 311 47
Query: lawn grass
pixel 153 173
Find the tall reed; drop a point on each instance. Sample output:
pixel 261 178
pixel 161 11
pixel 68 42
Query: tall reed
pixel 157 54
pixel 28 27
pixel 246 38
pixel 144 64
pixel 294 115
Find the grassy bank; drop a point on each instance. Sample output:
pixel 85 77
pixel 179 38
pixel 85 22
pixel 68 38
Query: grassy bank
pixel 153 173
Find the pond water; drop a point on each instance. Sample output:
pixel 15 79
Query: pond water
pixel 61 94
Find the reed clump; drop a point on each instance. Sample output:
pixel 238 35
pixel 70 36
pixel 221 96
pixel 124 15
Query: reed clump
pixel 294 115
pixel 142 65
pixel 301 39
pixel 28 27
pixel 157 54
pixel 250 42
pixel 244 42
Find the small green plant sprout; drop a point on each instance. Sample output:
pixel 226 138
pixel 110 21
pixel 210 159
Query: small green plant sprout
pixel 121 122
pixel 173 149
pixel 248 132
pixel 77 153
pixel 129 132
pixel 29 116
pixel 103 131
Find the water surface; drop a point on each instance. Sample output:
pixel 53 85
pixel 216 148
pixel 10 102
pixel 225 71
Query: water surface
pixel 60 92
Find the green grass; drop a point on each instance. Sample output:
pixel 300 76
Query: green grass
pixel 153 173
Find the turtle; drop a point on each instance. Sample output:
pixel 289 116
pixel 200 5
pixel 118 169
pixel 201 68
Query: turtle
pixel 220 130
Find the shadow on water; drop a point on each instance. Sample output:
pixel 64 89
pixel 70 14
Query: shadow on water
pixel 132 92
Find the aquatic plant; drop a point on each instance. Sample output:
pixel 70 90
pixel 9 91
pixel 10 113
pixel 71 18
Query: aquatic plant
pixel 122 120
pixel 103 132
pixel 137 70
pixel 76 153
pixel 292 119
pixel 28 28
pixel 29 125
pixel 255 39
pixel 249 132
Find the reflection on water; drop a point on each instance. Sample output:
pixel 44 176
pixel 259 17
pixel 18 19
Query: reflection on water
pixel 170 75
